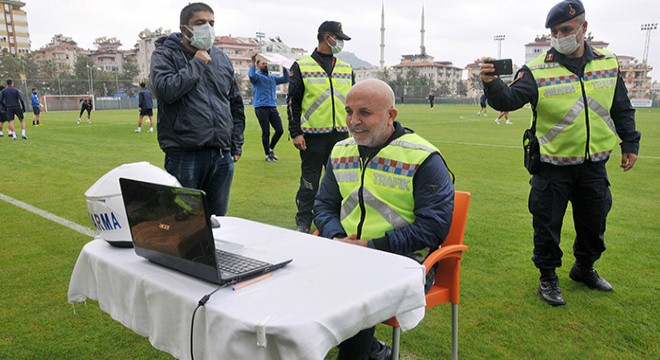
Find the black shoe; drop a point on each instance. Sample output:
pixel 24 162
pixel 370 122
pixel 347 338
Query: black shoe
pixel 589 277
pixel 303 228
pixel 381 351
pixel 551 293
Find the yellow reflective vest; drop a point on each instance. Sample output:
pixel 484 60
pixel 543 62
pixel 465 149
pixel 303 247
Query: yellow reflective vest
pixel 378 196
pixel 324 99
pixel 573 113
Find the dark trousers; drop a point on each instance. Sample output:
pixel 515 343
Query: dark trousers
pixel 586 186
pixel 269 116
pixel 358 347
pixel 313 161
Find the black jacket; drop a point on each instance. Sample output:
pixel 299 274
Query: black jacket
pixel 199 105
pixel 524 90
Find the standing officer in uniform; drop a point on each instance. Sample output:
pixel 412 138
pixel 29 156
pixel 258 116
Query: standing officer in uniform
pixel 318 85
pixel 580 105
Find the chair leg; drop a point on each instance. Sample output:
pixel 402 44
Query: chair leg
pixel 396 339
pixel 454 331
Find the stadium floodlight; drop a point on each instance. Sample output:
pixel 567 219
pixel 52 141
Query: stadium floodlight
pixel 648 28
pixel 499 39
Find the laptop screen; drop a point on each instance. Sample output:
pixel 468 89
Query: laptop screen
pixel 169 226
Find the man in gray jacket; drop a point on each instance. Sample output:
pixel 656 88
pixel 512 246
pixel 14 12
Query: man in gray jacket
pixel 200 110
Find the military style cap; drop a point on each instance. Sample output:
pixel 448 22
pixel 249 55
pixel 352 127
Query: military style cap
pixel 335 28
pixel 564 11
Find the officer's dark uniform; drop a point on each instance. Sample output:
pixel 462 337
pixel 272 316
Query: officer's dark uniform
pixel 585 185
pixel 319 146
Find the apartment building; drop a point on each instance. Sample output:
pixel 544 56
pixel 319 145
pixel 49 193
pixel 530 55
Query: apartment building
pixel 61 51
pixel 14 34
pixel 635 74
pixel 437 71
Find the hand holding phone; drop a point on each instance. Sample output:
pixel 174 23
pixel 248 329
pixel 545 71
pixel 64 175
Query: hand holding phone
pixel 502 67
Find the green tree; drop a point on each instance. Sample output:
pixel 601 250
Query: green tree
pixel 475 81
pixel 443 89
pixel 461 88
pixel 131 71
pixel 398 84
pixel 20 68
pixel 10 65
pixel 384 76
pixel 84 78
pixel 48 76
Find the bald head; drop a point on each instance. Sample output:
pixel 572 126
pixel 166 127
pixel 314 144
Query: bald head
pixel 370 112
pixel 376 89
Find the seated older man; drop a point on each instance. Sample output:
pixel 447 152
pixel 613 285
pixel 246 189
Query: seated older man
pixel 384 188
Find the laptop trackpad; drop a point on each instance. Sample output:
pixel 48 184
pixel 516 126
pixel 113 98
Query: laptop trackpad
pixel 228 246
pixel 251 252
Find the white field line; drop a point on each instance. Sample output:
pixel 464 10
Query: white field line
pixel 514 147
pixel 52 217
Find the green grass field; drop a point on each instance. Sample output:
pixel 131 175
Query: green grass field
pixel 501 316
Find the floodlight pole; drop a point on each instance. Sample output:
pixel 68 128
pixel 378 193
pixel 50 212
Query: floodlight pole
pixel 117 79
pixel 90 78
pixel 499 39
pixel 648 28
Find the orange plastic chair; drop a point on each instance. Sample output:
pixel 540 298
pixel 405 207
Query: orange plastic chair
pixel 447 276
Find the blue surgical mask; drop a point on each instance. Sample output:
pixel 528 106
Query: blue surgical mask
pixel 202 37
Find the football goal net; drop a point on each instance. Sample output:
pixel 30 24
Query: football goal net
pixel 66 102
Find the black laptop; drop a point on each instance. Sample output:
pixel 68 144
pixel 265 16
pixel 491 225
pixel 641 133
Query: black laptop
pixel 171 226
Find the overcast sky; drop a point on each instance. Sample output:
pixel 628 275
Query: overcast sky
pixel 456 31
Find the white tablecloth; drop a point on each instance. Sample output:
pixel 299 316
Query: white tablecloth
pixel 327 294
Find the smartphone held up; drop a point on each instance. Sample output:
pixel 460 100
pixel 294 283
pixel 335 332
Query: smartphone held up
pixel 502 67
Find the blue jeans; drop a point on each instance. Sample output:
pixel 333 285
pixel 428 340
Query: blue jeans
pixel 206 169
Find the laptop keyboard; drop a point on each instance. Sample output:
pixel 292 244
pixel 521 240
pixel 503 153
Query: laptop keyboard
pixel 237 264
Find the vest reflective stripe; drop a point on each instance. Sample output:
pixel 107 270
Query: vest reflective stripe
pixel 389 214
pixel 324 99
pixel 562 116
pixel 326 94
pixel 378 196
pixel 573 114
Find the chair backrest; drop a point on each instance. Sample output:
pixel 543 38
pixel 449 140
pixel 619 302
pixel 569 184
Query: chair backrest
pixel 448 272
pixel 459 218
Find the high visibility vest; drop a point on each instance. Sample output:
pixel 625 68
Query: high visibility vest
pixel 378 196
pixel 573 113
pixel 324 100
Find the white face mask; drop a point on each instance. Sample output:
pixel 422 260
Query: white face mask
pixel 339 45
pixel 202 37
pixel 566 45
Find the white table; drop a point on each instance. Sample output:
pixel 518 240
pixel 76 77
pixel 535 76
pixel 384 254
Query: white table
pixel 327 294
